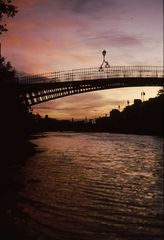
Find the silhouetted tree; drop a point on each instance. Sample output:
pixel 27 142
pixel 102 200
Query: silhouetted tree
pixel 15 118
pixel 7 9
pixel 7 72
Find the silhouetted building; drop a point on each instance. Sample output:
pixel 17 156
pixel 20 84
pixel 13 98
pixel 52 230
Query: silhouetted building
pixel 114 113
pixel 137 101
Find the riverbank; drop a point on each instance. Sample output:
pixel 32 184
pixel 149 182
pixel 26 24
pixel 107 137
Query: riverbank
pixel 13 157
pixel 143 118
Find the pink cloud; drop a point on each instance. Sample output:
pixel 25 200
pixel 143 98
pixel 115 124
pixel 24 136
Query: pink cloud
pixel 62 34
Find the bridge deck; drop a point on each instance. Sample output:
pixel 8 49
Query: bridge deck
pixel 95 74
pixel 45 87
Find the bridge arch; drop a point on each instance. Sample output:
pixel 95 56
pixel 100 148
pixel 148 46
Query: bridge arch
pixel 41 88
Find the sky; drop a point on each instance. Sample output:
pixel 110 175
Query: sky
pixel 53 35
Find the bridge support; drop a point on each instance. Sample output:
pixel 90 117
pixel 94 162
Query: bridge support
pixel 33 94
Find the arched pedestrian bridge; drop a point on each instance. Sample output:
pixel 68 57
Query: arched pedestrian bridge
pixel 35 89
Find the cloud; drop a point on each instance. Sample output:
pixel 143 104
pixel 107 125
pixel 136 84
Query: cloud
pixel 50 35
pixel 111 38
pixel 21 4
pixel 79 106
pixel 70 34
pixel 92 6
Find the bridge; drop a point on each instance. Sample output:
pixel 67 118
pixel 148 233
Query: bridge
pixel 35 89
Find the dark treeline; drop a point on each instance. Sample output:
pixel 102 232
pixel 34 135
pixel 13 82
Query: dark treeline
pixel 16 120
pixel 15 129
pixel 140 118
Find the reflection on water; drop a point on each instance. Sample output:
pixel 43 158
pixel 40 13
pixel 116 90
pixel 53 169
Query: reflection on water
pixel 93 186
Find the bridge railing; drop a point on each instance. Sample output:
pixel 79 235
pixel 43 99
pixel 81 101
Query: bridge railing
pixel 94 74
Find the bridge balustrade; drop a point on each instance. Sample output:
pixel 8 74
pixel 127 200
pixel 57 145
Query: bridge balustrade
pixel 95 74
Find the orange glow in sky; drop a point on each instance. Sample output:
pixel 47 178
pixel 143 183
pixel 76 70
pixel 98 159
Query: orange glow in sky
pixel 48 35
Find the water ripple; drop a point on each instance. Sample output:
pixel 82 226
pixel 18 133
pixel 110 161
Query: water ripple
pixel 93 186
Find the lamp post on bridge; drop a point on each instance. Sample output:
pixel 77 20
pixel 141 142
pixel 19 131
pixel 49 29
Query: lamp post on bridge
pixel 105 63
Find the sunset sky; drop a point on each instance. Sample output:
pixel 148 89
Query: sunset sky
pixel 52 35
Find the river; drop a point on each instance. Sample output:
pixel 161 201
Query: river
pixel 100 186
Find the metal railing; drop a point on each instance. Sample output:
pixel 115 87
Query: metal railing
pixel 94 74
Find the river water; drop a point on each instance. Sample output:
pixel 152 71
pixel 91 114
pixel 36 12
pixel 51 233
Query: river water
pixel 100 186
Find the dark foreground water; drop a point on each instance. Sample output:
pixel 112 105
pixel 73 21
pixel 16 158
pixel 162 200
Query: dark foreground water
pixel 100 186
